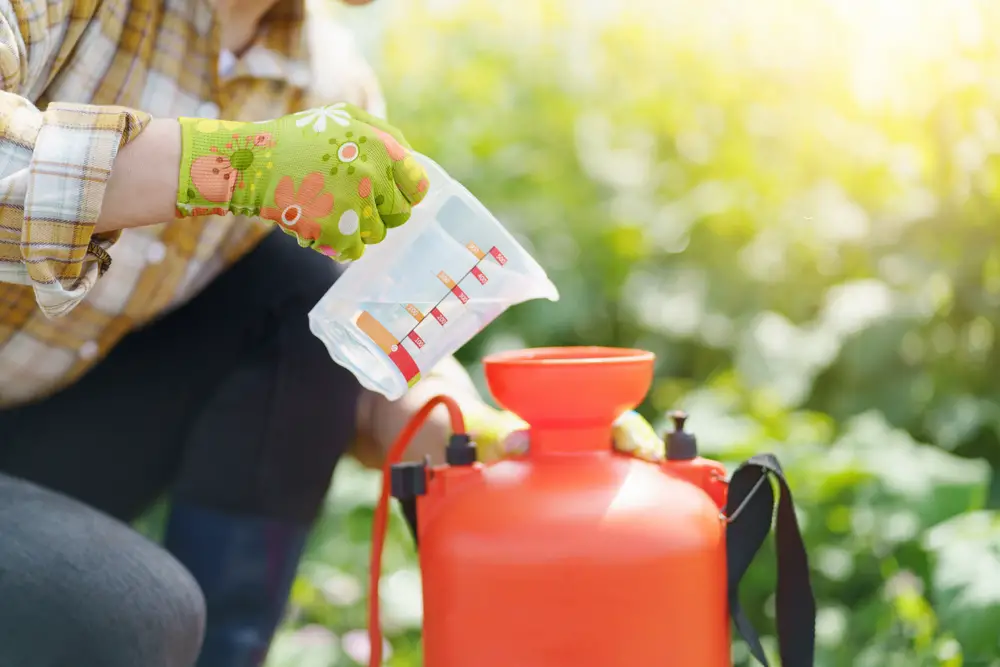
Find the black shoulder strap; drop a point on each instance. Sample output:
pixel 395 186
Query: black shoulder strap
pixel 750 511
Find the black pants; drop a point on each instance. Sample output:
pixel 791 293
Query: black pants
pixel 227 403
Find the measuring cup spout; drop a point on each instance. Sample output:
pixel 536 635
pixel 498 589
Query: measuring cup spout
pixel 536 284
pixel 540 287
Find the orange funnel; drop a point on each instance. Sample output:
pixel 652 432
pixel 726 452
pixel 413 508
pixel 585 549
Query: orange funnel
pixel 569 396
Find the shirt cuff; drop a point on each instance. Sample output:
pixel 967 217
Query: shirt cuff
pixel 69 170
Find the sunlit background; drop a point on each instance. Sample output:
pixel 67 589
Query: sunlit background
pixel 796 205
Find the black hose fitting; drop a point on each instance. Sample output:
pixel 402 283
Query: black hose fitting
pixel 461 451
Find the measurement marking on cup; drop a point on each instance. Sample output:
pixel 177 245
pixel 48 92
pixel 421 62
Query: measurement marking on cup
pixel 381 336
pixel 439 316
pixel 452 286
pixel 417 340
pixel 474 249
pixel 446 279
pixel 414 311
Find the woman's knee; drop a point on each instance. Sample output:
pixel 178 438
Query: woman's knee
pixel 81 588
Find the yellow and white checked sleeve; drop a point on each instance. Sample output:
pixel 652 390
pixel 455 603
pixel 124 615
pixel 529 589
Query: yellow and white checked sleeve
pixel 71 71
pixel 54 166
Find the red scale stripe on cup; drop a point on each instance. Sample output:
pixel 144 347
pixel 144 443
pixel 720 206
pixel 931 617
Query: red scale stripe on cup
pixel 462 296
pixel 417 340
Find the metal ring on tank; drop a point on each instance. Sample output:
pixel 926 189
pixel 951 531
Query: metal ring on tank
pixel 736 513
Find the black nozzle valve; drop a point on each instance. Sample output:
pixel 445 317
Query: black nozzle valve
pixel 408 480
pixel 681 445
pixel 461 451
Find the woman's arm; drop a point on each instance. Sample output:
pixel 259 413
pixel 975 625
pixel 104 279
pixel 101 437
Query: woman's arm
pixel 142 189
pixel 58 218
pixel 53 178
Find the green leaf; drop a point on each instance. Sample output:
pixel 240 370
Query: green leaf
pixel 311 646
pixel 403 599
pixel 965 580
pixel 910 479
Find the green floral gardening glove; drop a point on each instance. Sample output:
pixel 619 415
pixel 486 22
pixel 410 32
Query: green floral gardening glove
pixel 499 434
pixel 334 177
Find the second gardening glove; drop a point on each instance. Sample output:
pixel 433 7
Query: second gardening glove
pixel 335 177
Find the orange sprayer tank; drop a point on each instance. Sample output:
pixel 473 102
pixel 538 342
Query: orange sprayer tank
pixel 573 555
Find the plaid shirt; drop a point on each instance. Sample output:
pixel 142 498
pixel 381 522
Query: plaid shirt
pixel 68 296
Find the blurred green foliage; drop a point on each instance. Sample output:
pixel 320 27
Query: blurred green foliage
pixel 794 204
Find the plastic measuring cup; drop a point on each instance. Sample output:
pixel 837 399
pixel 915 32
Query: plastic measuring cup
pixel 425 290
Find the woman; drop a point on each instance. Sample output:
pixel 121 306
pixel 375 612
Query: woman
pixel 153 333
pixel 172 357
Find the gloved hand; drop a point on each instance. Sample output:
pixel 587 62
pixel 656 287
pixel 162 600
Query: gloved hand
pixel 499 434
pixel 334 177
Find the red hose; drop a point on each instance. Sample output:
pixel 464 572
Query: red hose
pixel 381 519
